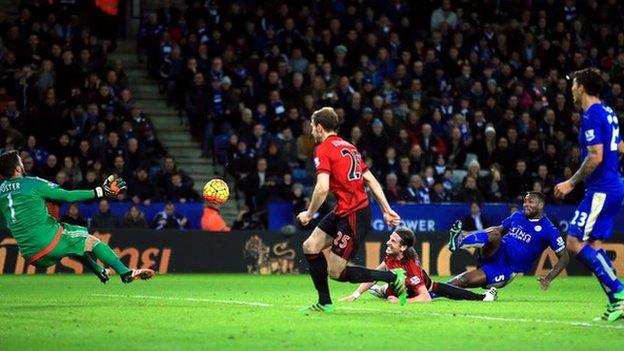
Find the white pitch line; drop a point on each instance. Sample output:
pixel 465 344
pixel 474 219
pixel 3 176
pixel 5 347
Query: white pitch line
pixel 489 318
pixel 383 311
pixel 191 299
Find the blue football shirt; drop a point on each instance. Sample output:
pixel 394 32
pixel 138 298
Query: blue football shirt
pixel 600 126
pixel 526 239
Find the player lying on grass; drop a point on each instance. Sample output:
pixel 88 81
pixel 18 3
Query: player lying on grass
pixel 43 241
pixel 512 247
pixel 400 253
pixel 340 168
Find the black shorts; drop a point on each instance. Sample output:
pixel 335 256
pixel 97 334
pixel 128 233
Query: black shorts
pixel 348 231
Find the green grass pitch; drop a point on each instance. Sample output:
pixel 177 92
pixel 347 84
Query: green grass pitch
pixel 245 312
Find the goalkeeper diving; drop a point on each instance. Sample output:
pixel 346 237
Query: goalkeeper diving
pixel 42 240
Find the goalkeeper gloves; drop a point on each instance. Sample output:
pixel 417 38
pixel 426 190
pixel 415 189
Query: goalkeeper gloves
pixel 112 187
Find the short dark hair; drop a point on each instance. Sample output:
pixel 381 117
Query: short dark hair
pixel 327 118
pixel 539 195
pixel 408 239
pixel 591 80
pixel 8 162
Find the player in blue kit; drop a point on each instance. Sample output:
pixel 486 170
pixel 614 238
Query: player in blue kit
pixel 600 144
pixel 510 248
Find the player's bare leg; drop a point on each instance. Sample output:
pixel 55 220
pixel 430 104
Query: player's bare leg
pixel 471 279
pixel 592 255
pixel 345 271
pixel 104 253
pixel 313 249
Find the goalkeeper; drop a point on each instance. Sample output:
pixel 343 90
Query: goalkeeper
pixel 43 241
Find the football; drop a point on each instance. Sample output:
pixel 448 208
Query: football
pixel 216 191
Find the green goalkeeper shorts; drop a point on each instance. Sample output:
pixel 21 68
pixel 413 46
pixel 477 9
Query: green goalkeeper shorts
pixel 71 242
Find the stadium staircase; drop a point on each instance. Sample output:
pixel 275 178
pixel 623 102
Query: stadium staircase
pixel 167 121
pixel 175 136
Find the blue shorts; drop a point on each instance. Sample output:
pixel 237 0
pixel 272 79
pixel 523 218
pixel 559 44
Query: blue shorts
pixel 593 219
pixel 497 268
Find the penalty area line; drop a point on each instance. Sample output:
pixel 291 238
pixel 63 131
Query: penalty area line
pixel 189 299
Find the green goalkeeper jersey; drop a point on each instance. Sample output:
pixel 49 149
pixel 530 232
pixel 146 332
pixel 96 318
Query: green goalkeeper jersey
pixel 22 202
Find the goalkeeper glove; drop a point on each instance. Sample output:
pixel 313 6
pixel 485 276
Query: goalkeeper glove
pixel 112 187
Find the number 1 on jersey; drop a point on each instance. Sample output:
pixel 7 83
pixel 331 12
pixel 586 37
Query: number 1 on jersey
pixel 11 208
pixel 355 161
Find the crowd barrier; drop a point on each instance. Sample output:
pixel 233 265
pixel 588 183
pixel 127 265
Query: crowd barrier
pixel 420 218
pixel 439 217
pixel 263 252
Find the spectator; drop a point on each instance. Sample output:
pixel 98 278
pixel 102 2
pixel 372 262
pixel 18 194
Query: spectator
pixel 298 199
pixel 73 216
pixel 89 182
pixel 439 193
pixel 104 218
pixel 169 219
pixel 258 185
pixel 50 169
pixel 416 192
pixel 178 192
pixel 134 219
pixel 36 152
pixel 392 189
pixel 163 178
pixel 475 220
pixel 521 179
pixel 136 156
pixel 141 189
pixel 62 180
pixel 443 18
pixel 243 161
pixel 470 192
pixel 211 220
pixel 545 180
pixel 495 185
pixel 73 172
pixel 246 220
pixel 119 168
pixel 305 143
pixel 197 106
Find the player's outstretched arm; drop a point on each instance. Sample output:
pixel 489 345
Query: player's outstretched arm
pixel 364 286
pixel 562 261
pixel 620 147
pixel 111 187
pixel 391 217
pixel 321 189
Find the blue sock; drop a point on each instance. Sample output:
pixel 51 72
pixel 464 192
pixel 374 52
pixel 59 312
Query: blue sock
pixel 599 263
pixel 476 239
pixel 602 256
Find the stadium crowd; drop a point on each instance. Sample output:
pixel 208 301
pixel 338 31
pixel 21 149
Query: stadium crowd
pixel 446 100
pixel 70 113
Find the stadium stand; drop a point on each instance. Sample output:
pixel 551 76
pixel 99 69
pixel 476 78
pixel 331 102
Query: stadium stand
pixel 470 97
